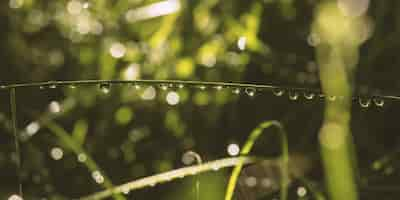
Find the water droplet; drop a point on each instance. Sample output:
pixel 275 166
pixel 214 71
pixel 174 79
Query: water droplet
pixel 137 86
pixel 309 95
pixel 98 177
pixel 164 87
pixel 180 86
pixel 250 92
pixel 278 92
pixel 379 102
pixel 236 90
pixel 42 87
pixel 72 86
pixel 364 102
pixel 2 87
pixel 293 95
pixel 215 167
pixel 202 87
pixel 82 157
pixel 53 86
pixel 218 87
pixel 126 191
pixel 332 98
pixel 105 87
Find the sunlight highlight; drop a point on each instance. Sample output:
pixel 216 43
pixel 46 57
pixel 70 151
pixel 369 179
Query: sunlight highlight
pixel 154 10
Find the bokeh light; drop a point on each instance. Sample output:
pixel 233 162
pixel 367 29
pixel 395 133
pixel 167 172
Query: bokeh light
pixel 172 98
pixel 233 149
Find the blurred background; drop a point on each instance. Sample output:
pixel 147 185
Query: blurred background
pixel 132 132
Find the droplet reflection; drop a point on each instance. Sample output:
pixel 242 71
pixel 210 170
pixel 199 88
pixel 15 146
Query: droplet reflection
pixel 250 92
pixel 364 102
pixel 105 87
pixel 278 92
pixel 379 102
pixel 293 95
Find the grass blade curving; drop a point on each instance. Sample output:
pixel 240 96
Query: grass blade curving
pixel 254 135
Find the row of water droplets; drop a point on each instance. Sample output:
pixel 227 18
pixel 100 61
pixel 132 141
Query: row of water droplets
pixel 293 94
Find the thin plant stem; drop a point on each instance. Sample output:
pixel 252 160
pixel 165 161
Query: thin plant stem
pixel 188 83
pixel 13 102
pixel 254 135
pixel 172 175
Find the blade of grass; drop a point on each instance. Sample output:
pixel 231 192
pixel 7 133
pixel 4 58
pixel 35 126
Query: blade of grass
pixel 172 175
pixel 68 141
pixel 337 56
pixel 13 102
pixel 254 135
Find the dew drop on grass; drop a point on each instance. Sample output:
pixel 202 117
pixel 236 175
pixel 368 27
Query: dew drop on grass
pixel 126 191
pixel 309 95
pixel 364 102
pixel 293 95
pixel 105 87
pixel 72 86
pixel 278 92
pixel 164 87
pixel 137 86
pixel 379 102
pixel 250 92
pixel 218 87
pixel 180 86
pixel 53 86
pixel 202 87
pixel 236 91
pixel 215 167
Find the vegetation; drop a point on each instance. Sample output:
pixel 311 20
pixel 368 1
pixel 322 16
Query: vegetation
pixel 173 99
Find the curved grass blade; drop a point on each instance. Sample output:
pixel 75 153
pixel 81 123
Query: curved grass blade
pixel 254 135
